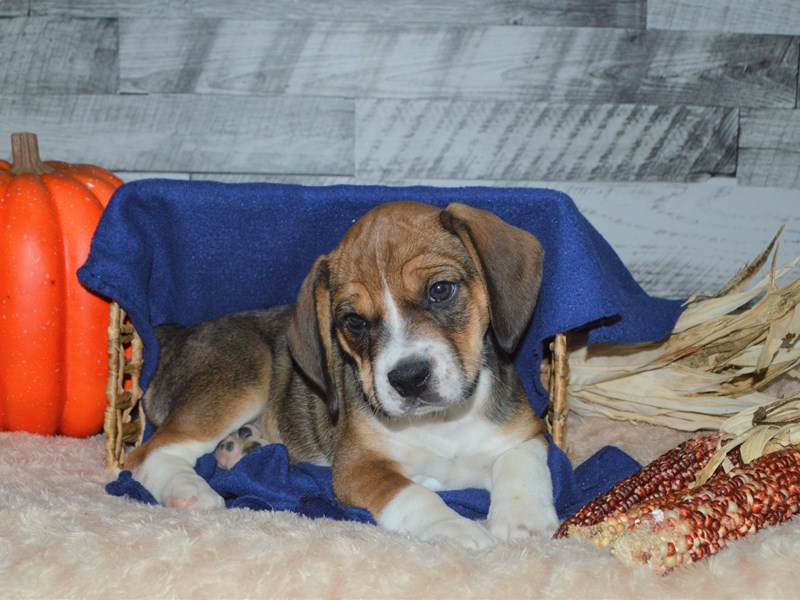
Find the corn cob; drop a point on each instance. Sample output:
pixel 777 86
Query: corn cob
pixel 673 471
pixel 683 527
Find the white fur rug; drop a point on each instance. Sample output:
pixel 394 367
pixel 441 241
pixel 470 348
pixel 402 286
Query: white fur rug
pixel 61 536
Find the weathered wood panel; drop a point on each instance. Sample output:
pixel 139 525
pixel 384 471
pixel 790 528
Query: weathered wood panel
pixel 744 16
pixel 15 8
pixel 769 166
pixel 591 13
pixel 770 148
pixel 676 239
pixel 681 239
pixel 531 63
pixel 127 176
pixel 45 56
pixel 189 133
pixel 401 139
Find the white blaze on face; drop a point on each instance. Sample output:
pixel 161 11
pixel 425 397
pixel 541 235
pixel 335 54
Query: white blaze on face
pixel 446 382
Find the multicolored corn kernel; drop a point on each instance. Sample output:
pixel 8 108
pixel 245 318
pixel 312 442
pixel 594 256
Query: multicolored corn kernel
pixel 683 527
pixel 672 471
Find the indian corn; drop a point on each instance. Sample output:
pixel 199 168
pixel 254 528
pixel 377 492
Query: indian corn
pixel 673 471
pixel 684 526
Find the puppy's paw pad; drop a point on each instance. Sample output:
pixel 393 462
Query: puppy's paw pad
pixel 462 531
pixel 192 495
pixel 228 452
pixel 243 441
pixel 182 502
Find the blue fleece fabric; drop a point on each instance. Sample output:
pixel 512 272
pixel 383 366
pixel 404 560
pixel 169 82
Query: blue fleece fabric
pixel 264 480
pixel 182 252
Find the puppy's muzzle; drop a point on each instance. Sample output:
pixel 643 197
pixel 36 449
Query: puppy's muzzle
pixel 410 378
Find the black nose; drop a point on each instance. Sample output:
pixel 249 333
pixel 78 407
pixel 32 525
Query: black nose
pixel 410 378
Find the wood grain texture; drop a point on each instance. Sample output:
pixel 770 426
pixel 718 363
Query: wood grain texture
pixel 188 133
pixel 584 13
pixel 17 8
pixel 770 148
pixel 45 56
pixel 531 63
pixel 401 139
pixel 128 176
pixel 676 238
pixel 744 16
pixel 681 239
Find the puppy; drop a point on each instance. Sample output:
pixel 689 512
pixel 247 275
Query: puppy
pixel 394 368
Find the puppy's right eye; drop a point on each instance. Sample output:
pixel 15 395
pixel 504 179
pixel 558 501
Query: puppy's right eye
pixel 355 324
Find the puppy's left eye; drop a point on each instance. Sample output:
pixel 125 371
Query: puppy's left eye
pixel 442 291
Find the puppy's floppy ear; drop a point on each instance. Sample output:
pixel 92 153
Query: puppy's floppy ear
pixel 311 336
pixel 510 260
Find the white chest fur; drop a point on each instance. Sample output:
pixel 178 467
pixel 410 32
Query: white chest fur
pixel 451 450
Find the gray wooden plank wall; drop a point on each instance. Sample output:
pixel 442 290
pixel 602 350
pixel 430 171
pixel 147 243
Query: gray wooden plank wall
pixel 632 106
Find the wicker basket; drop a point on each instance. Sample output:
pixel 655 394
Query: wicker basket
pixel 124 418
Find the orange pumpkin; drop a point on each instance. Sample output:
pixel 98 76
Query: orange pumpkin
pixel 53 349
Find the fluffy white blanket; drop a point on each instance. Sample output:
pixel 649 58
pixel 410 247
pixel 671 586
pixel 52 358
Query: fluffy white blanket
pixel 61 536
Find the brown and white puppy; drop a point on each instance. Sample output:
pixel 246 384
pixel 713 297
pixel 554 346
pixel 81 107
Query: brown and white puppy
pixel 394 368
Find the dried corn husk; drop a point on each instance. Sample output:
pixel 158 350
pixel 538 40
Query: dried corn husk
pixel 716 367
pixel 757 431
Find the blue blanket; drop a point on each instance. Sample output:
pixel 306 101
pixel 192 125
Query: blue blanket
pixel 265 480
pixel 177 251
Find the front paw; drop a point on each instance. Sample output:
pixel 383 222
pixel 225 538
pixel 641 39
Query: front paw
pixel 522 493
pixel 421 512
pixel 518 521
pixel 470 534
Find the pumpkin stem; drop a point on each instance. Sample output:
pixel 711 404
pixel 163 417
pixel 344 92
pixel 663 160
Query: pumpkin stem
pixel 25 155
